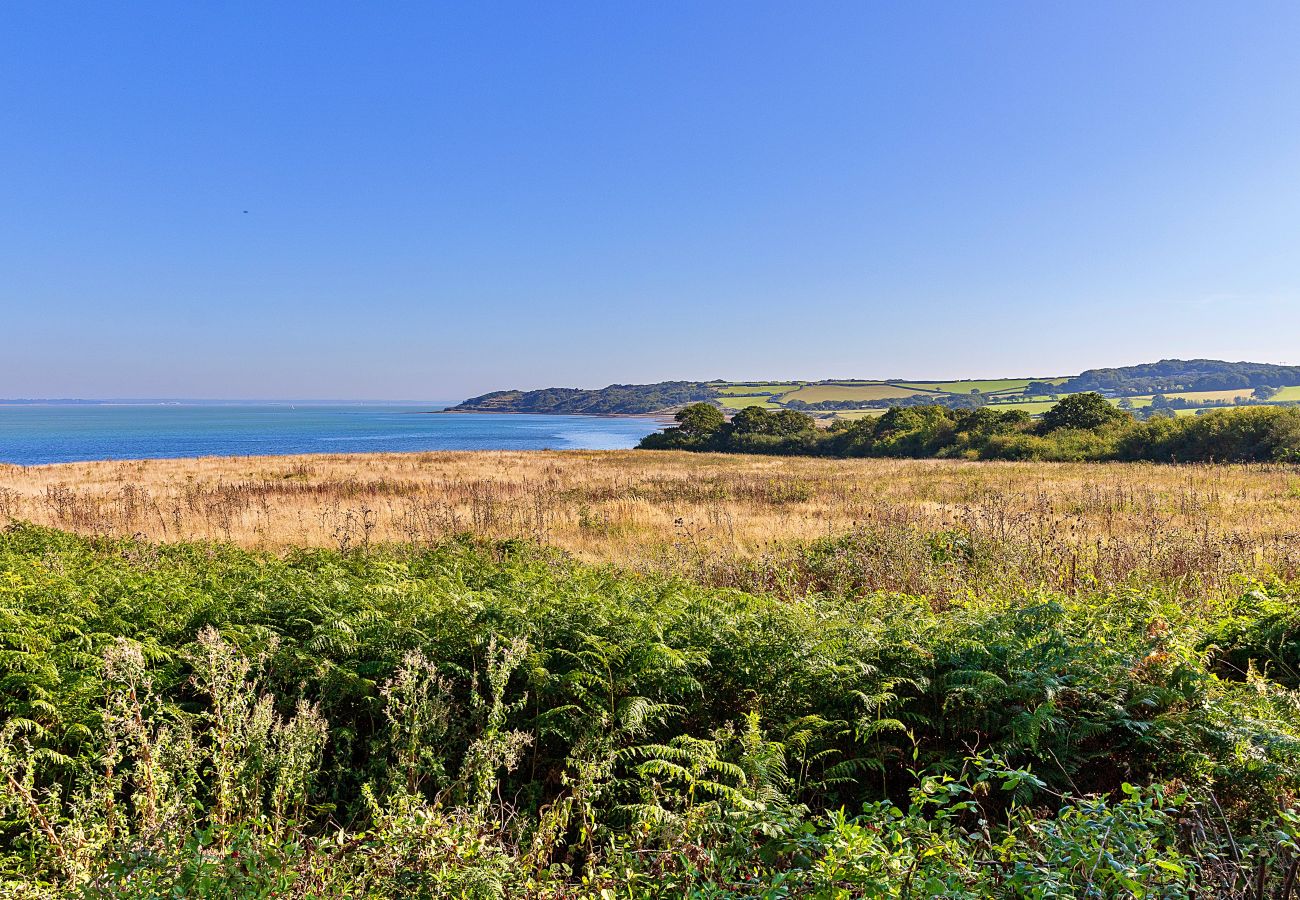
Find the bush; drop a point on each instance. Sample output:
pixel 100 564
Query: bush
pixel 1082 427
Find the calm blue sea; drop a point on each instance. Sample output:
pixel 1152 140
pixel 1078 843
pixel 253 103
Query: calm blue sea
pixel 32 434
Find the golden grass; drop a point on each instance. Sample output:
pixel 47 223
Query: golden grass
pixel 639 508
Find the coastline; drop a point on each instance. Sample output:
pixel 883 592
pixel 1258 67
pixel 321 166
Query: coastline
pixel 665 418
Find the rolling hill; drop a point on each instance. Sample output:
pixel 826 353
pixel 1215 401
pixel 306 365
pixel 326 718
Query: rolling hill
pixel 1170 383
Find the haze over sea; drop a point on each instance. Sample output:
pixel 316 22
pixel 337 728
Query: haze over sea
pixel 39 433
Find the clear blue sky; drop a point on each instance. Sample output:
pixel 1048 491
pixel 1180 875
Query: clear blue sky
pixel 444 199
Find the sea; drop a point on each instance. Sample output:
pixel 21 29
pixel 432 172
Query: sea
pixel 37 433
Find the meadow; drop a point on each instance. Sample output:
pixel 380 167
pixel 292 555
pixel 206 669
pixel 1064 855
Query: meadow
pixel 667 512
pixel 648 674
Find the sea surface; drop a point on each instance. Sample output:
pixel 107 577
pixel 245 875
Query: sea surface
pixel 32 434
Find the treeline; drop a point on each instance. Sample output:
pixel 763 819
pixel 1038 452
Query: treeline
pixel 628 399
pixel 1170 375
pixel 1081 427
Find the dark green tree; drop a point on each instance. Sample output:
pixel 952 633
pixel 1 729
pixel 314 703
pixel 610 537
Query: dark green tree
pixel 779 423
pixel 1088 410
pixel 700 420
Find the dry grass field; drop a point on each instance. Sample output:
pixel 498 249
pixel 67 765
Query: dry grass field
pixel 727 519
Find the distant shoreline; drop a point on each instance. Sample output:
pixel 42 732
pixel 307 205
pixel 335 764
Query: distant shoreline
pixel 665 418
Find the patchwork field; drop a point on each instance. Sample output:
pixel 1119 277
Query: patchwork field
pixel 1007 393
pixel 759 387
pixel 815 393
pixel 734 402
pixel 984 386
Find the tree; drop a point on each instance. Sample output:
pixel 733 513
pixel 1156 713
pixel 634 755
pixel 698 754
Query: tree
pixel 789 421
pixel 1089 410
pixel 700 420
pixel 778 423
pixel 986 421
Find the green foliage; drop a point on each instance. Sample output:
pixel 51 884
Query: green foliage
pixel 1168 376
pixel 700 420
pixel 1171 375
pixel 497 721
pixel 1250 434
pixel 1081 427
pixel 1084 411
pixel 755 420
pixel 631 399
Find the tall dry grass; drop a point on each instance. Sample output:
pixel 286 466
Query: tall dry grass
pixel 723 519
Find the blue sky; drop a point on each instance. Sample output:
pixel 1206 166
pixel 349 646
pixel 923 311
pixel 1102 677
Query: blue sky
pixel 444 199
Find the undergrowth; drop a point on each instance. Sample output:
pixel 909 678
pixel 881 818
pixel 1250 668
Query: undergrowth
pixel 496 720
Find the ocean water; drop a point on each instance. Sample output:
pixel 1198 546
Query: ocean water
pixel 32 434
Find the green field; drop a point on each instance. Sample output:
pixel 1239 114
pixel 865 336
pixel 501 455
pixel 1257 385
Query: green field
pixel 1002 393
pixel 984 386
pixel 767 387
pixel 815 393
pixel 1196 381
pixel 733 402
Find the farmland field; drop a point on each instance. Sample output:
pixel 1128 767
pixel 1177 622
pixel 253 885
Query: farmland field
pixel 984 386
pixel 1288 394
pixel 758 387
pixel 732 402
pixel 815 393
